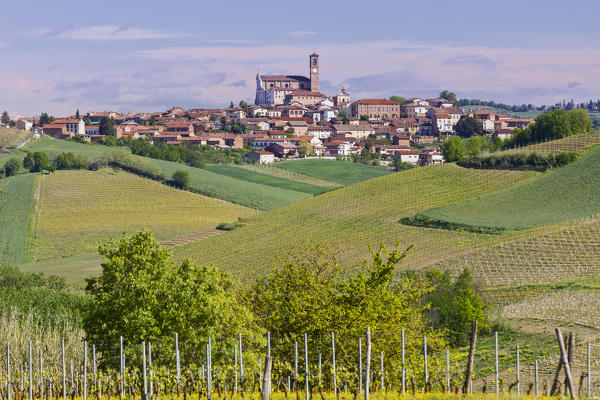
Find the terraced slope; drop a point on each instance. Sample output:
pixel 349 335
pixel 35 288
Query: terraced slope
pixel 569 193
pixel 16 217
pixel 79 209
pixel 269 169
pixel 342 172
pixel 11 137
pixel 575 144
pixel 353 216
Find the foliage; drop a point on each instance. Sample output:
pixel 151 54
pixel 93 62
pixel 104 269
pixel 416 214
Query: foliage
pixel 553 125
pixel 130 163
pixel 449 96
pixel 364 117
pixel 5 118
pixel 453 148
pixel 12 167
pixel 226 226
pixel 107 126
pixel 144 296
pixel 305 148
pixel 468 126
pixel 71 161
pixel 41 162
pixel 476 144
pixel 558 196
pixel 46 119
pixel 455 303
pixel 308 292
pixel 398 99
pixel 181 179
pixel 533 161
pixel 401 166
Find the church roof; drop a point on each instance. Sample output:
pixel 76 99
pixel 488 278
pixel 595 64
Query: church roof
pixel 289 78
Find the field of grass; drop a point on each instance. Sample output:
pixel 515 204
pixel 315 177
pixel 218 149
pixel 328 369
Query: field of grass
pixel 269 169
pixel 569 193
pixel 247 175
pixel 351 217
pixel 11 136
pixel 342 172
pixel 16 213
pixel 524 114
pixel 80 209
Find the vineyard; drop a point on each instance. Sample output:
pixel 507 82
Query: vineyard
pixel 16 212
pixel 570 144
pixel 566 194
pixel 342 172
pixel 269 169
pixel 351 217
pixel 10 137
pixel 79 209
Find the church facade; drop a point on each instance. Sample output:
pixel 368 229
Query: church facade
pixel 273 89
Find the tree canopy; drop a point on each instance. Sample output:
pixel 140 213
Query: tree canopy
pixel 448 95
pixel 468 126
pixel 453 148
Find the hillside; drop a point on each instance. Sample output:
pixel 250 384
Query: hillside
pixel 351 217
pixel 575 144
pixel 569 193
pixel 10 136
pixel 341 172
pixel 80 209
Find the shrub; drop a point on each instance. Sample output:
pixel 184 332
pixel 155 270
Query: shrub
pixel 130 163
pixel 226 226
pixel 12 167
pixel 181 179
pixel 71 161
pixel 531 161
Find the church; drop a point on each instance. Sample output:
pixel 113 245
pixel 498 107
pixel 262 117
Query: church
pixel 273 89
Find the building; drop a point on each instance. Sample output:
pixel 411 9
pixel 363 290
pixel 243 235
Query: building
pixel 407 156
pixel 260 157
pixel 58 131
pixel 341 98
pixel 359 131
pixel 272 89
pixel 24 124
pixel 304 97
pixel 375 108
pixel 76 126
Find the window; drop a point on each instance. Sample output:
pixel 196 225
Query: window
pixel 314 61
pixel 271 85
pixel 287 85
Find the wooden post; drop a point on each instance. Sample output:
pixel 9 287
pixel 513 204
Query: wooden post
pixel 296 364
pixel 30 374
pixel 177 361
pixel 209 370
pixel 94 370
pixel 320 372
pixel 496 372
pixel 7 371
pixel 469 376
pixel 360 375
pixel 235 362
pixel 151 370
pixel 64 369
pixel 382 381
pixel 122 367
pixel 266 381
pixel 448 371
pixel 144 371
pixel 403 391
pixel 41 373
pixel 333 363
pixel 241 354
pixel 518 370
pixel 306 366
pixel 84 370
pixel 565 361
pixel 536 378
pixel 589 371
pixel 368 364
pixel 425 366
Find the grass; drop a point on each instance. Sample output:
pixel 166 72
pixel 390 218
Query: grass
pixel 270 169
pixel 16 213
pixel 11 137
pixel 80 209
pixel 522 114
pixel 569 193
pixel 576 144
pixel 247 175
pixel 341 172
pixel 351 217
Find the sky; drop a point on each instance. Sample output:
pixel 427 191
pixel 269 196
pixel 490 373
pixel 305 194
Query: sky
pixel 141 56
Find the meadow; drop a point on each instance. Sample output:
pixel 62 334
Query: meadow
pixel 80 209
pixel 16 217
pixel 565 194
pixel 269 169
pixel 342 172
pixel 349 218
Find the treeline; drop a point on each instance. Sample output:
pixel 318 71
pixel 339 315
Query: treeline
pixel 531 161
pixel 502 106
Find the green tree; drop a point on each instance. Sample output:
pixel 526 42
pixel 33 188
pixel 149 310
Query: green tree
pixel 453 148
pixel 305 148
pixel 45 119
pixel 28 162
pixel 153 120
pixel 41 162
pixel 401 166
pixel 77 114
pixel 107 126
pixel 12 167
pixel 476 144
pixel 143 295
pixel 455 303
pixel 181 178
pixel 243 104
pixel 364 117
pixel 449 96
pixel 344 116
pixel 5 119
pixel 468 126
pixel 398 99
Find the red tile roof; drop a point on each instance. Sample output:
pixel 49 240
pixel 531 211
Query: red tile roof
pixel 377 101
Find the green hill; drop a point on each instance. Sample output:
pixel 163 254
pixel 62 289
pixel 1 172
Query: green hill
pixel 569 193
pixel 351 217
pixel 342 172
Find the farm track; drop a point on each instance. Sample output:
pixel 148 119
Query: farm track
pixel 194 237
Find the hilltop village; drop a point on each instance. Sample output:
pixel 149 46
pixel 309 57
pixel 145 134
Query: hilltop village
pixel 291 118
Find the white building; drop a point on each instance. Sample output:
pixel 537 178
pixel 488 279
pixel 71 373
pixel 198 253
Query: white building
pixel 24 125
pixel 260 157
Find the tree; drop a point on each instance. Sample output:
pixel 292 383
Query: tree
pixel 455 304
pixel 305 148
pixel 243 104
pixel 476 144
pixel 344 116
pixel 364 117
pixel 28 162
pixel 41 162
pixel 453 148
pixel 449 96
pixel 181 178
pixel 468 126
pixel 45 119
pixel 153 120
pixel 107 126
pixel 77 114
pixel 143 295
pixel 5 119
pixel 231 105
pixel 12 167
pixel 398 99
pixel 401 166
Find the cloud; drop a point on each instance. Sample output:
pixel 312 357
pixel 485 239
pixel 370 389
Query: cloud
pixel 470 59
pixel 238 84
pixel 106 32
pixel 300 34
pixel 573 85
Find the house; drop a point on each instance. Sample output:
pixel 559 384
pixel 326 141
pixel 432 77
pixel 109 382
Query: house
pixel 58 131
pixel 76 126
pixel 92 130
pixel 415 110
pixel 386 149
pixel 416 101
pixel 442 124
pixel 503 133
pixel 430 156
pixel 359 131
pixel 260 157
pixel 299 127
pixel 304 97
pixel 96 117
pixel 407 156
pixel 294 111
pixel 321 132
pixel 337 148
pixel 375 108
pixel 401 140
pixel 173 137
pixel 283 149
pixel 24 124
pixel 181 128
pixel 341 98
pixel 448 112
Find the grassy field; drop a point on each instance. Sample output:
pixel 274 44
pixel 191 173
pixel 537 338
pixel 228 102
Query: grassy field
pixel 342 172
pixel 247 175
pixel 351 217
pixel 269 169
pixel 16 213
pixel 11 136
pixel 524 114
pixel 80 209
pixel 569 193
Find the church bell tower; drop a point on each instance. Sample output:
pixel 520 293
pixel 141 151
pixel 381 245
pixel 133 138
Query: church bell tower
pixel 314 72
